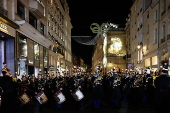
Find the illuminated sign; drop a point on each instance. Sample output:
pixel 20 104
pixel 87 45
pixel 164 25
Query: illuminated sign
pixel 3 26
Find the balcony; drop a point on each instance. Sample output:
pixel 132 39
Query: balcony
pixel 168 36
pixel 163 40
pixel 36 8
pixel 163 12
pixel 3 11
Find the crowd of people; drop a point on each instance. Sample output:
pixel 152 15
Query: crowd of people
pixel 151 89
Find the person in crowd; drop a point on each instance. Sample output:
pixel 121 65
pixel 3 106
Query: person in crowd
pixel 24 89
pixel 76 85
pixel 58 87
pixel 162 85
pixel 115 92
pixel 9 94
pixel 97 89
pixel 39 90
pixel 150 89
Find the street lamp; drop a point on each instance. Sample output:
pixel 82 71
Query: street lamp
pixel 138 46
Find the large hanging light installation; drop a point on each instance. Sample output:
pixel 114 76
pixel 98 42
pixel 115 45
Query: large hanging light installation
pixel 99 30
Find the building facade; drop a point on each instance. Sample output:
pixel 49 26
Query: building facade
pixel 7 38
pixel 148 24
pixel 59 31
pixel 35 42
pixel 115 51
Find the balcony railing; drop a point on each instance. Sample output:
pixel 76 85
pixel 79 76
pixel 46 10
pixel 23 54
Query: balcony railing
pixel 168 36
pixel 163 12
pixel 163 40
pixel 3 11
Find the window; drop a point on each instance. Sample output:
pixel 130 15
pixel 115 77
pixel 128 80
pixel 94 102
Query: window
pixel 164 5
pixel 22 45
pixel 163 31
pixel 141 54
pixel 45 52
pixel 32 20
pixel 36 51
pixel 147 44
pixel 169 27
pixel 155 36
pixel 20 10
pixel 2 3
pixel 42 28
pixel 148 15
pixel 147 30
pixel 155 16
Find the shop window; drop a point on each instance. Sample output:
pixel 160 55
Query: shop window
pixel 22 45
pixel 45 52
pixel 20 10
pixel 36 51
pixel 33 20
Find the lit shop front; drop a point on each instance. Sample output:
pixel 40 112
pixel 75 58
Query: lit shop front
pixel 7 45
pixel 32 57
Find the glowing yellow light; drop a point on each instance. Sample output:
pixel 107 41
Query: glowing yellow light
pixel 116 46
pixel 138 46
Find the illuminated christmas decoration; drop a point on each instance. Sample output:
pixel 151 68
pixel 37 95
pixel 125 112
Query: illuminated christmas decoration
pixel 100 30
pixel 116 46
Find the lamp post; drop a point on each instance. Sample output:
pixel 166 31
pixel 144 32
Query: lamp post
pixel 140 53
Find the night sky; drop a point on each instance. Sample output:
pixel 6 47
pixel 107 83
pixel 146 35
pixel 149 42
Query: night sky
pixel 85 12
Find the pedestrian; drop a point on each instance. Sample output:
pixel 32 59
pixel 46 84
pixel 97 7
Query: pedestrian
pixel 9 95
pixel 97 89
pixel 162 85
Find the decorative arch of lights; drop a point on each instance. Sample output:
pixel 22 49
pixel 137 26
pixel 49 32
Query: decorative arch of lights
pixel 97 29
pixel 100 31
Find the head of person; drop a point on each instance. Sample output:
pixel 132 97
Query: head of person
pixel 39 76
pixel 45 76
pixel 6 72
pixel 75 73
pixel 164 72
pixel 48 77
pixel 57 74
pixel 24 77
pixel 152 73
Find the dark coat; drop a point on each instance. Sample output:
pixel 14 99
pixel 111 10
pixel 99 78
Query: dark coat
pixel 114 88
pixel 9 95
pixel 97 89
pixel 162 84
